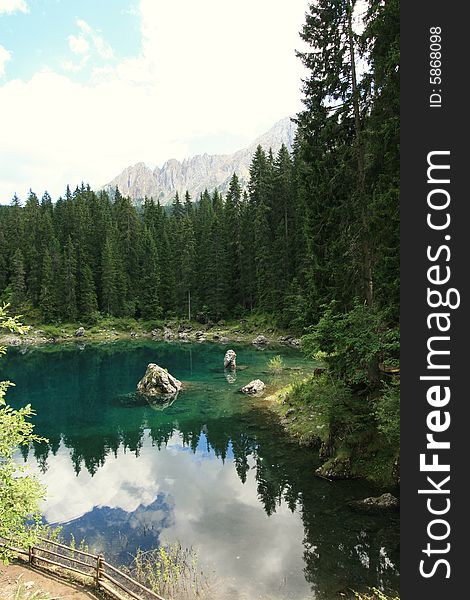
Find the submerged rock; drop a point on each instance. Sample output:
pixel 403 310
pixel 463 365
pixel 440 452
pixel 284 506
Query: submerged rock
pixel 253 388
pixel 230 360
pixel 158 382
pixel 385 502
pixel 231 376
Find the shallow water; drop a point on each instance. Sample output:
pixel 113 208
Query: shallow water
pixel 214 470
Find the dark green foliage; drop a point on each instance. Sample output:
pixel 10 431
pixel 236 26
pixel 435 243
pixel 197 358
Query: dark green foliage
pixel 48 295
pixel 18 283
pixel 387 413
pixel 353 343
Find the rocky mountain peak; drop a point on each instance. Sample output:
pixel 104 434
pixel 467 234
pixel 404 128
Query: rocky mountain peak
pixel 200 172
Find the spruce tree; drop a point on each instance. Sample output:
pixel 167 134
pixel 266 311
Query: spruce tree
pixel 48 296
pixel 69 310
pixel 109 292
pixel 149 286
pixel 18 282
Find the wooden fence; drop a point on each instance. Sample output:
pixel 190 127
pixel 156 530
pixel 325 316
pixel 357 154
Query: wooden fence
pixel 94 566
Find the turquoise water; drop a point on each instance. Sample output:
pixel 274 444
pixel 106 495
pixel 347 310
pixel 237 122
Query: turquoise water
pixel 214 470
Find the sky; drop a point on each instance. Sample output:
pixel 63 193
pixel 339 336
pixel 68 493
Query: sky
pixel 90 87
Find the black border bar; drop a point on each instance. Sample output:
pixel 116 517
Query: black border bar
pixel 436 124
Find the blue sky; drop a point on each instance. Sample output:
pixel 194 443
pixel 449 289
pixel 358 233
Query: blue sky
pixel 88 87
pixel 39 38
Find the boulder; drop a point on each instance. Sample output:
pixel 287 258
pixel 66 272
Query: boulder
pixel 230 360
pixel 80 332
pixel 295 343
pixel 260 340
pixel 183 336
pixel 167 333
pixel 253 388
pixel 158 382
pixel 133 334
pixel 336 468
pixel 224 340
pixel 383 503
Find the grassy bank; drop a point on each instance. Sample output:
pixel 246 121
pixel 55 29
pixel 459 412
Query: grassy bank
pixel 346 429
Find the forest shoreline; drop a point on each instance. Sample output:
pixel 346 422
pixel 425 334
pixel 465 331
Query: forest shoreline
pixel 176 331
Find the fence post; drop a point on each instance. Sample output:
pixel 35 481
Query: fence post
pixel 99 568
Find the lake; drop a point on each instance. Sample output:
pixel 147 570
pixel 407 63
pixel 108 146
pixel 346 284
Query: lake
pixel 214 470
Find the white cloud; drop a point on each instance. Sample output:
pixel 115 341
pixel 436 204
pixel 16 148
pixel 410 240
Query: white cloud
pixel 10 6
pixel 83 25
pixel 103 49
pixel 209 505
pixel 221 70
pixel 78 44
pixel 5 56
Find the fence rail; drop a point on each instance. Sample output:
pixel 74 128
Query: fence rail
pixel 94 566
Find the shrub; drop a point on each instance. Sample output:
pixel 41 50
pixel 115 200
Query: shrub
pixel 171 571
pixel 354 343
pixel 276 365
pixel 387 413
pixel 20 496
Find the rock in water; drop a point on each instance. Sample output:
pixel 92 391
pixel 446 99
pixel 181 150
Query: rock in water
pixel 158 382
pixel 230 360
pixel 385 502
pixel 260 340
pixel 253 388
pixel 80 332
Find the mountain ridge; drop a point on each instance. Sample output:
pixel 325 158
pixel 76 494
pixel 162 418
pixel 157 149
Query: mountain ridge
pixel 199 172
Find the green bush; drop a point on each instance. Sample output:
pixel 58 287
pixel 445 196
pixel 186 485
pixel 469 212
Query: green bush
pixel 20 495
pixel 276 365
pixel 353 343
pixel 387 413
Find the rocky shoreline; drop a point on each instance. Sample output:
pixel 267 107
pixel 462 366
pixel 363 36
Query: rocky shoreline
pixel 172 332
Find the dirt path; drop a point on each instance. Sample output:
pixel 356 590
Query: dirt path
pixel 32 581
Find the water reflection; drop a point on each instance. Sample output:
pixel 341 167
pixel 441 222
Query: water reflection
pixel 211 470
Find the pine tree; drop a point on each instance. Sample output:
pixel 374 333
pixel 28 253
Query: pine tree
pixel 48 296
pixel 18 282
pixel 149 288
pixel 69 311
pixel 188 244
pixel 177 209
pixel 109 292
pixel 87 300
pixel 232 234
